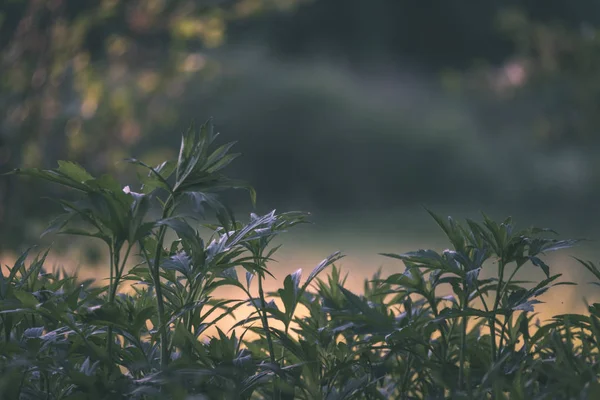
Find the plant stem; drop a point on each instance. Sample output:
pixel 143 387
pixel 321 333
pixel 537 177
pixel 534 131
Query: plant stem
pixel 505 288
pixel 265 323
pixel 499 295
pixel 120 269
pixel 463 337
pixel 155 271
pixel 404 393
pixel 109 332
pixel 434 309
pixel 115 250
pixel 495 309
pixel 112 270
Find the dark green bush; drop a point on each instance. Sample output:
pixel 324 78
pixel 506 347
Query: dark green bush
pixel 63 338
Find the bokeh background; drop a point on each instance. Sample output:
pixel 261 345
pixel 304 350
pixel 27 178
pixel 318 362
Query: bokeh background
pixel 357 111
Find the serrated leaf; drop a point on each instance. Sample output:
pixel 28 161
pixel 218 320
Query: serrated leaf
pixel 180 262
pixel 156 177
pixel 74 171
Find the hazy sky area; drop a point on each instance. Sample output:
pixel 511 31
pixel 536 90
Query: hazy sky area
pixel 360 112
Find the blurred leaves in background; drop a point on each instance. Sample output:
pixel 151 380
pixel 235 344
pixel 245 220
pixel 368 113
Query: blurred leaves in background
pixel 487 101
pixel 84 80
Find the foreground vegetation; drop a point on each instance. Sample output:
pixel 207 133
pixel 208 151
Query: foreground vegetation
pixel 404 338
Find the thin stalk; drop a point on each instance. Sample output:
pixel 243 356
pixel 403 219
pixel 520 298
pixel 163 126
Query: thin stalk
pixel 162 329
pixel 499 295
pixel 282 357
pixel 463 338
pixel 265 323
pixel 483 302
pixel 115 268
pixel 435 311
pixel 155 272
pixel 109 333
pixel 495 309
pixel 114 283
pixel 196 291
pixel 505 288
pixel 265 320
pixel 159 301
pixel 109 344
pixel 116 272
pixel 502 332
pixel 120 269
pixel 112 269
pixel 286 330
pixel 404 391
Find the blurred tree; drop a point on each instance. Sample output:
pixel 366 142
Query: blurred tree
pixel 83 79
pixel 536 59
pixel 554 74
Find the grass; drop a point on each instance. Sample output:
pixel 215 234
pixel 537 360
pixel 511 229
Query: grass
pixel 403 338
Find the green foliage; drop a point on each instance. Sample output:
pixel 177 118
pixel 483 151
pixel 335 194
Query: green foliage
pixel 63 338
pixel 82 79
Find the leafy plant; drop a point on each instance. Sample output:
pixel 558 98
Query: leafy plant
pixel 404 337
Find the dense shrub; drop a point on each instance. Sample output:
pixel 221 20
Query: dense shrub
pixel 63 338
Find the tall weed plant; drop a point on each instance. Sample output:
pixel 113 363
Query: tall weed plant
pixel 66 338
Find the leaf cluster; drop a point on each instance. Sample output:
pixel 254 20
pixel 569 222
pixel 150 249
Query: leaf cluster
pixel 438 329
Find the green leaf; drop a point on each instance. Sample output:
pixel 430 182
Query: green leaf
pixel 183 230
pixel 187 144
pixel 451 313
pixel 319 268
pixel 156 177
pixel 590 266
pixel 27 299
pixel 58 223
pixel 82 232
pixel 18 265
pixel 33 333
pixel 180 262
pixel 216 184
pixel 74 171
pixel 217 157
pixel 139 208
pixel 373 317
pixel 249 277
pixel 199 198
pixel 452 230
pixel 105 314
pixel 539 263
pixel 289 293
pixel 289 344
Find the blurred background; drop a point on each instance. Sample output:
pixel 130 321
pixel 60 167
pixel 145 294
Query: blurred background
pixel 357 111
